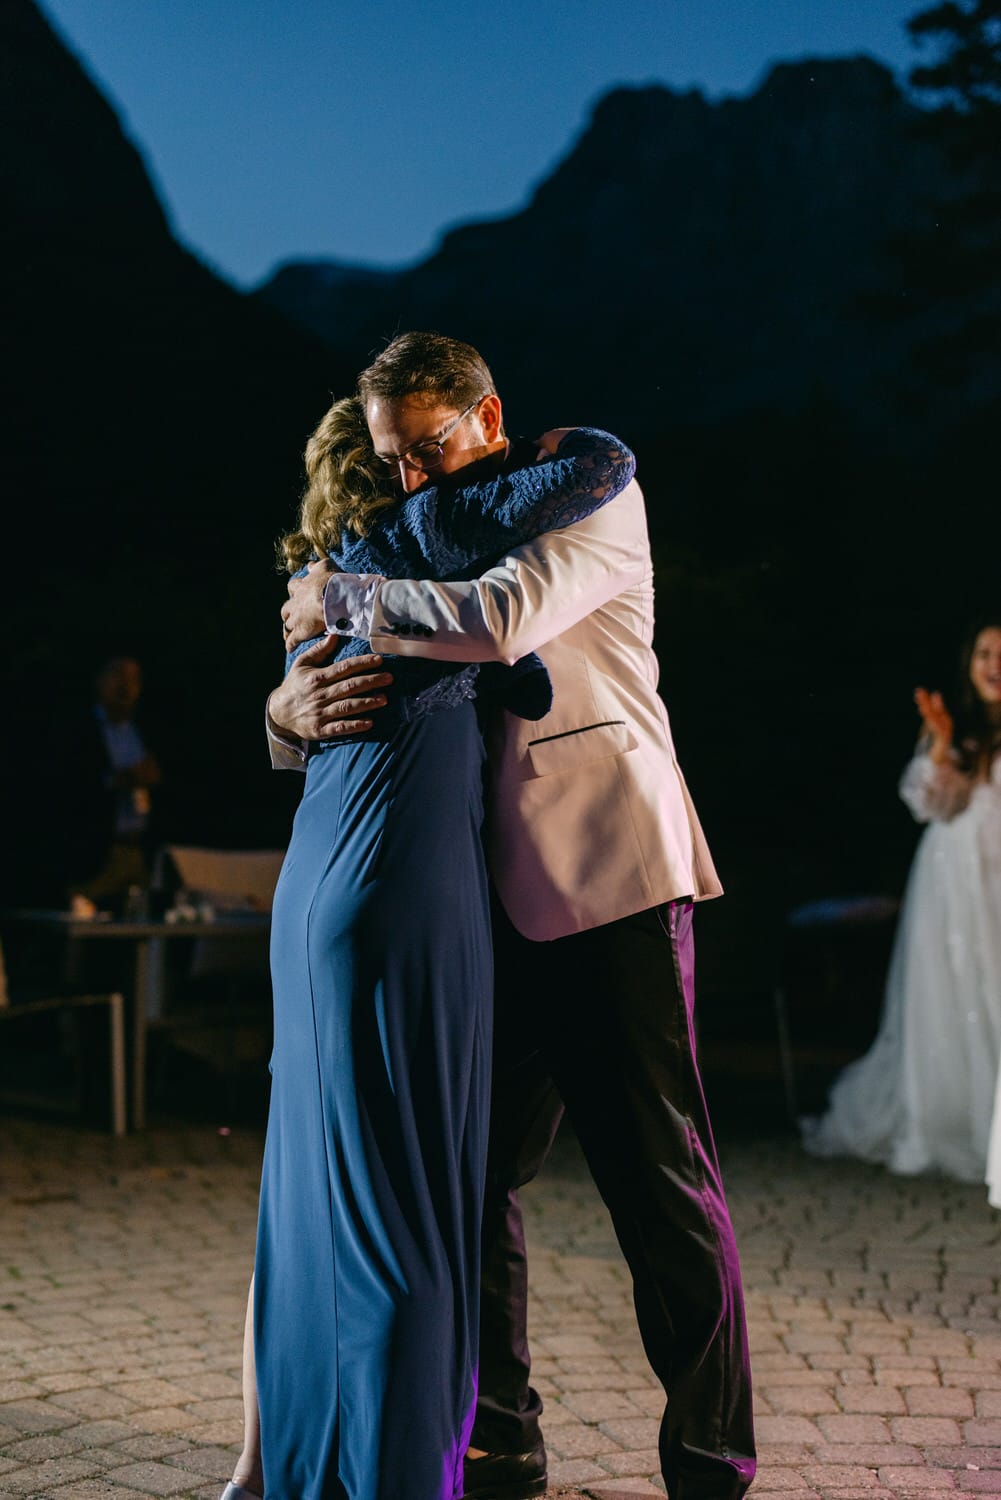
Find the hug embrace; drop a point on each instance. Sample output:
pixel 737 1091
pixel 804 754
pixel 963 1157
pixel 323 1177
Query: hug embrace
pixel 484 919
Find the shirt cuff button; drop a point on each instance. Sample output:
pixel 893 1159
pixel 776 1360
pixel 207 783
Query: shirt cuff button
pixel 342 623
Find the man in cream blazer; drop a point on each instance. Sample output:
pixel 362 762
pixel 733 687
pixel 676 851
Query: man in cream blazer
pixel 597 855
pixel 590 819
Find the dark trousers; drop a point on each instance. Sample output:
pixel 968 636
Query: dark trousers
pixel 601 1022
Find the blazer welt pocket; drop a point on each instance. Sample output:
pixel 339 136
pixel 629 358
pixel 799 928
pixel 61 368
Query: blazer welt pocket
pixel 575 747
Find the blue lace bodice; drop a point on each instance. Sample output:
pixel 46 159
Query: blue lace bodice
pixel 454 532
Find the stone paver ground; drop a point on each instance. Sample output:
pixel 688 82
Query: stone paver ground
pixel 874 1302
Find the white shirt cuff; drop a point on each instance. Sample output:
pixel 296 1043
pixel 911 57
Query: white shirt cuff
pixel 348 603
pixel 287 752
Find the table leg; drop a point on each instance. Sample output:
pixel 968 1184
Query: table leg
pixel 148 1001
pixel 139 1003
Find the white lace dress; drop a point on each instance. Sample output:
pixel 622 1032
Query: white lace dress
pixel 922 1097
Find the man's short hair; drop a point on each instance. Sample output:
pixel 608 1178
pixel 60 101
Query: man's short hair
pixel 445 371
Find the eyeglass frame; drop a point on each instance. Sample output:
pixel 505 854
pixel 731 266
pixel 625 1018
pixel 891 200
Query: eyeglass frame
pixel 393 460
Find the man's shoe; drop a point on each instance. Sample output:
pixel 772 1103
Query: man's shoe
pixel 505 1476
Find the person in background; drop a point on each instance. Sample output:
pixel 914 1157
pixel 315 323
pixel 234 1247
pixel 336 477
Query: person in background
pixel 922 1097
pixel 109 780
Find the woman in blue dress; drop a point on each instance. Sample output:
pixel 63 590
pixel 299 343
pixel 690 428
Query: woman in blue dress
pixel 360 1380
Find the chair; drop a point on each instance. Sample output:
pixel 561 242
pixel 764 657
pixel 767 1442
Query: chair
pixel 738 949
pixel 76 1007
pixel 827 1000
pixel 235 879
pixel 226 1021
pixel 231 881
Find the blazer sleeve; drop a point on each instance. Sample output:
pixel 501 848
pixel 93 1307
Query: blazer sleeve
pixel 535 593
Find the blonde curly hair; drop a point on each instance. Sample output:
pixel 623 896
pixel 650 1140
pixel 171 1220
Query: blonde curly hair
pixel 345 485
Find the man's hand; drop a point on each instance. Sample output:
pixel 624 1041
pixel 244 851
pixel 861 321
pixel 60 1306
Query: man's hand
pixel 302 615
pixel 319 702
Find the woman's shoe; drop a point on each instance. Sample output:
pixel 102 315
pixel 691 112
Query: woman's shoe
pixel 237 1492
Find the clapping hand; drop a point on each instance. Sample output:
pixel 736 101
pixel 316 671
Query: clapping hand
pixel 937 721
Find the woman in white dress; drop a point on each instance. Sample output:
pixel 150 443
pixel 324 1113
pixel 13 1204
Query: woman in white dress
pixel 922 1097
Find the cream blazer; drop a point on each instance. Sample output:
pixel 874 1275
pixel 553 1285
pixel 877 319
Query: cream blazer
pixel 589 818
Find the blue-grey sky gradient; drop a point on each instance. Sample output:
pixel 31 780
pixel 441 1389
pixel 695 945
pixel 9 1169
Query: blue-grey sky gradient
pixel 284 129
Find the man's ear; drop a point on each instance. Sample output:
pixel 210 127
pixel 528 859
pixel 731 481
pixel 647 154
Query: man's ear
pixel 491 418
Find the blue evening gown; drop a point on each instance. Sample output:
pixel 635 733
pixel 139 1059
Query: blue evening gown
pixel 366 1278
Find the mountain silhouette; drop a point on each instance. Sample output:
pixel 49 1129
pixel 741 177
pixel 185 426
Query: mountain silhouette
pixel 687 261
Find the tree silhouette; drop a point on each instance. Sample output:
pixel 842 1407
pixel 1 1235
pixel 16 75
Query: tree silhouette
pixel 953 270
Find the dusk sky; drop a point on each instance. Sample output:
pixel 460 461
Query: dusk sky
pixel 286 129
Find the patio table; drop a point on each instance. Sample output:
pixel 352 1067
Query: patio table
pixel 148 935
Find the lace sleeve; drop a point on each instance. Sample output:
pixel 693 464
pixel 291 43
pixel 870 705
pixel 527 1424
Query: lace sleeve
pixel 934 793
pixel 589 468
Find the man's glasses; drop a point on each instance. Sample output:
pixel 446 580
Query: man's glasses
pixel 430 454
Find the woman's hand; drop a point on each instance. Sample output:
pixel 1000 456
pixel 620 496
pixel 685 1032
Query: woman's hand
pixel 550 441
pixel 302 615
pixel 938 722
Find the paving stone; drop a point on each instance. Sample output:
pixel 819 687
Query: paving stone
pixel 907 1375
pixel 47 1475
pixel 869 1455
pixel 582 1442
pixel 28 1417
pixel 91 1401
pixel 840 1477
pixel 987 1380
pixel 151 1478
pixel 981 1482
pixel 99 1488
pixel 96 1434
pixel 575 1471
pixel 772 1481
pixel 153 1445
pixel 164 1419
pixel 788 1430
pixel 622 1490
pixel 599 1406
pixel 17 1390
pixel 965 1457
pixel 217 1409
pixel 797 1400
pixel 854 1429
pixel 590 1380
pixel 876 1400
pixel 226 1434
pixel 638 1462
pixel 35 1449
pixel 217 1462
pixel 918 1481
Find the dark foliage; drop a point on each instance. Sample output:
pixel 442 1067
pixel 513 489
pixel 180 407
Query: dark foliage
pixel 953 266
